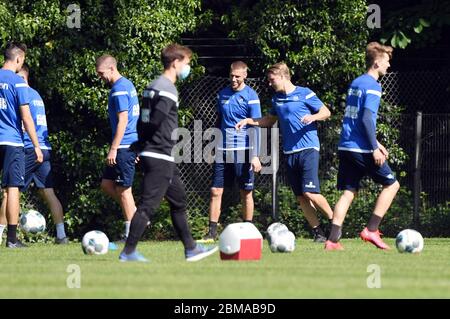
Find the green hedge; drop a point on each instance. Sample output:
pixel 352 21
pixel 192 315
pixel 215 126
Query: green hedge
pixel 62 62
pixel 321 40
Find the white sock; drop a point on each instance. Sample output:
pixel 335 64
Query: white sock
pixel 2 228
pixel 60 232
pixel 127 228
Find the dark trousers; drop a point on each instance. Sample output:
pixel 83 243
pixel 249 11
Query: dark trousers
pixel 161 179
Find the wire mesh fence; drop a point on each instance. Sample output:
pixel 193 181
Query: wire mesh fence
pixel 435 157
pixel 426 91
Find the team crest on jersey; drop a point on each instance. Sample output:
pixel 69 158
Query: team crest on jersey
pixel 296 98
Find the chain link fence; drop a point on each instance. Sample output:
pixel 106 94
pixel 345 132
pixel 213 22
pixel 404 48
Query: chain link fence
pixel 426 91
pixel 200 98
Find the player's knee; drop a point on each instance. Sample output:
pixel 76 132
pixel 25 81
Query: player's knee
pixel 46 192
pixel 309 196
pixel 124 192
pixel 49 195
pixel 246 194
pixel 350 194
pixel 395 186
pixel 216 192
pixel 303 201
pixel 106 187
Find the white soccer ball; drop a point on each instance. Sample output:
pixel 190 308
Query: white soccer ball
pixel 409 241
pixel 275 227
pixel 32 222
pixel 280 238
pixel 95 243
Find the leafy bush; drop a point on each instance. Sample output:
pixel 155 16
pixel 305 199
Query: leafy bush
pixel 321 41
pixel 62 62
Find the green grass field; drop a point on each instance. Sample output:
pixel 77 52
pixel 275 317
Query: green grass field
pixel 40 271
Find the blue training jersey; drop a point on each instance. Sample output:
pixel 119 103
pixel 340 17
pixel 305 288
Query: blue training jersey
pixel 13 94
pixel 234 106
pixel 364 92
pixel 123 97
pixel 290 109
pixel 37 109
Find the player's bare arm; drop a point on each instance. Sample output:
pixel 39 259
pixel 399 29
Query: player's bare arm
pixel 121 126
pixel 321 115
pixel 266 121
pixel 28 123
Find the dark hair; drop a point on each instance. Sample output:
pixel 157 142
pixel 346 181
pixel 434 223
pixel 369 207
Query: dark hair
pixel 375 50
pixel 174 52
pixel 14 49
pixel 25 68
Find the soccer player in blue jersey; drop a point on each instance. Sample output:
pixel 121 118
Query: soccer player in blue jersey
pixel 297 109
pixel 360 154
pixel 123 110
pixel 14 110
pixel 234 103
pixel 40 173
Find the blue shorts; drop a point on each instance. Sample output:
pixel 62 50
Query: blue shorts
pixel 123 172
pixel 354 166
pixel 226 172
pixel 39 173
pixel 12 164
pixel 303 171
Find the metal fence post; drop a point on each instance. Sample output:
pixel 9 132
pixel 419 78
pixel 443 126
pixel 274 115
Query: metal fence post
pixel 417 169
pixel 274 148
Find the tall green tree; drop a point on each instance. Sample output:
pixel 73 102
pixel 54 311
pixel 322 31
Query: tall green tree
pixel 321 41
pixel 419 24
pixel 62 61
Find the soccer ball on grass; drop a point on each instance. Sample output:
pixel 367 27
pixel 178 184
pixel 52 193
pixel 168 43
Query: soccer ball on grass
pixel 95 243
pixel 32 222
pixel 409 241
pixel 280 238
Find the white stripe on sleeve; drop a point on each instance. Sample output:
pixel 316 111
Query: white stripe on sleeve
pixel 119 93
pixel 169 95
pixel 377 93
pixel 310 95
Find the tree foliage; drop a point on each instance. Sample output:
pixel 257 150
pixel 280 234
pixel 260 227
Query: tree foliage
pixel 417 25
pixel 62 62
pixel 321 41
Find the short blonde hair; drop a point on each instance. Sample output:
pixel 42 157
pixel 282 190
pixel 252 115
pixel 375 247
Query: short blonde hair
pixel 239 65
pixel 279 69
pixel 375 50
pixel 106 59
